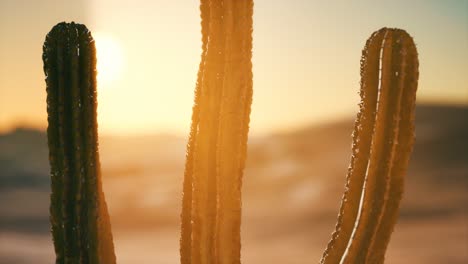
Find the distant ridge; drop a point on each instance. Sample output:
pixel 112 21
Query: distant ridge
pixel 440 112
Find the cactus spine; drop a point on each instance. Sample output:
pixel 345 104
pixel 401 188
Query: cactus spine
pixel 79 218
pixel 216 151
pixel 382 143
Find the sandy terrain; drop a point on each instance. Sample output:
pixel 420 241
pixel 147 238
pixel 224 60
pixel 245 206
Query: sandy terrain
pixel 292 189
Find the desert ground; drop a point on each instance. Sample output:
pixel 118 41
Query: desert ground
pixel 292 188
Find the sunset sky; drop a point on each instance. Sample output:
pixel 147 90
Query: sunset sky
pixel 305 58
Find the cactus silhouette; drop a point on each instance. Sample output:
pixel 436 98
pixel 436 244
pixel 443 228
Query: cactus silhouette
pixel 211 205
pixel 382 143
pixel 216 152
pixel 79 218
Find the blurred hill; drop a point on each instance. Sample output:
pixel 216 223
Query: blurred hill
pixel 292 189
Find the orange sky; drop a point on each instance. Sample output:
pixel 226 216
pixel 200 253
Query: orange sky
pixel 306 58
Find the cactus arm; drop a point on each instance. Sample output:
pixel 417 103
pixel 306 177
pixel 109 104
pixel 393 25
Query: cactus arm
pixel 218 139
pixel 383 139
pixel 233 128
pixel 362 136
pixel 403 147
pixel 63 53
pixel 379 180
pixel 186 215
pixel 79 218
pixel 391 136
pixel 204 180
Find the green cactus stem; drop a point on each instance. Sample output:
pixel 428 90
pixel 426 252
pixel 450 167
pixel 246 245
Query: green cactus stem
pixel 79 217
pixel 216 152
pixel 382 143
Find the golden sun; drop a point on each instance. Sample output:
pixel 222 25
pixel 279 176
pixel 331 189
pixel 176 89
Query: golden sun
pixel 109 60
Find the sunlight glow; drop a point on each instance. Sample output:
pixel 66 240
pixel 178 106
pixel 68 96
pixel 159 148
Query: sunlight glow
pixel 109 60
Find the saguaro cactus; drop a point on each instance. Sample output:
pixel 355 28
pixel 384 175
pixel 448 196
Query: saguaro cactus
pixel 216 152
pixel 382 143
pixel 79 218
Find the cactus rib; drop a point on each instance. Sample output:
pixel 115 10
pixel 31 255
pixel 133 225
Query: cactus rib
pixel 233 130
pixel 204 174
pixel 186 215
pixel 383 139
pixel 79 217
pixel 217 144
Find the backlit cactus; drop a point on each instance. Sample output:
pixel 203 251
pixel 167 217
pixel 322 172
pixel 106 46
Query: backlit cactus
pixel 382 143
pixel 211 214
pixel 79 218
pixel 216 152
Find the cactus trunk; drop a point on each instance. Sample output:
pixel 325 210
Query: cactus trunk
pixel 382 143
pixel 216 152
pixel 79 217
